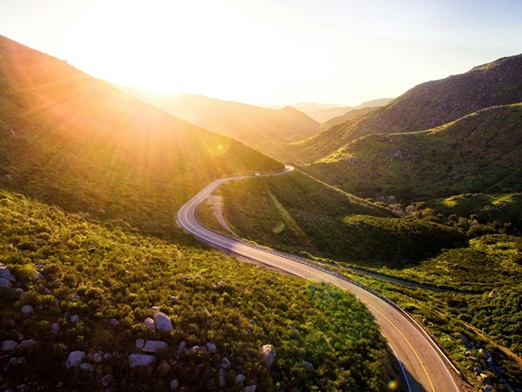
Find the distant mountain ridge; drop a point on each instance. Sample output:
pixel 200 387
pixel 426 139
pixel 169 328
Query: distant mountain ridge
pixel 326 112
pixel 266 130
pixel 425 106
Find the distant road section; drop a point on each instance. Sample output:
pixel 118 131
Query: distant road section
pixel 421 361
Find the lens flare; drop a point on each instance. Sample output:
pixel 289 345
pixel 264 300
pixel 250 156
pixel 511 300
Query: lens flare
pixel 393 385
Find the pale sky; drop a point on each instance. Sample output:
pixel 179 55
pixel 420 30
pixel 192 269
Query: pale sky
pixel 270 51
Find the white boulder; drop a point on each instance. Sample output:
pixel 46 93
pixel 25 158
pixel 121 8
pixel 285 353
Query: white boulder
pixel 174 384
pixel 8 345
pixel 75 359
pixel 149 323
pixel 26 309
pixel 269 354
pixel 154 346
pixel 139 360
pixel 163 323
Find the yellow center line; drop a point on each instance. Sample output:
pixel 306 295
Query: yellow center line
pixel 409 344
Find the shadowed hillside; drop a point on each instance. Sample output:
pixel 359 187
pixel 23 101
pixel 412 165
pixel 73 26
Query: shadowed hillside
pixel 71 140
pixel 425 106
pixel 266 130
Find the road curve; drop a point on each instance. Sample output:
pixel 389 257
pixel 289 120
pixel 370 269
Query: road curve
pixel 421 362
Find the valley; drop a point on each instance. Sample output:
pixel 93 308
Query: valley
pixel 425 188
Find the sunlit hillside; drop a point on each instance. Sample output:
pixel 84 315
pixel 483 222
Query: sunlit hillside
pixel 263 129
pixel 100 290
pixel 71 140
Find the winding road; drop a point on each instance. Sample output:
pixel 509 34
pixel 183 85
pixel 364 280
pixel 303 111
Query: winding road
pixel 422 363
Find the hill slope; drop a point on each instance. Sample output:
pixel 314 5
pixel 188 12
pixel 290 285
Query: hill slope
pixel 266 130
pixel 481 152
pixel 71 140
pixel 426 106
pixel 108 279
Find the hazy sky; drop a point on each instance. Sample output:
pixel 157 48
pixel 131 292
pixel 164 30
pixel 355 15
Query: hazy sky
pixel 270 51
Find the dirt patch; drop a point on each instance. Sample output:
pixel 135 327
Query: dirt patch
pixel 217 203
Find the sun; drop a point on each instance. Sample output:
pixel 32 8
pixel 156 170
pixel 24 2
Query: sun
pixel 172 46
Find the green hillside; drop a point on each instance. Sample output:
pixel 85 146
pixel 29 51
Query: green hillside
pixel 459 260
pixel 299 214
pixel 90 182
pixel 71 140
pixel 480 153
pixel 90 289
pixel 266 130
pixel 425 106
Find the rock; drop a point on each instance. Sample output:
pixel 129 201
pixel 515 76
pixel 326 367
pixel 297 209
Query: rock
pixel 174 384
pixel 20 290
pixel 155 309
pixel 27 309
pixel 221 378
pixel 269 354
pixel 15 361
pixel 163 368
pixel 163 323
pixel 94 357
pixel 107 380
pixel 211 347
pixel 56 302
pixel 75 359
pixel 309 367
pixel 174 300
pixel 5 273
pixel 46 291
pixel 154 346
pixel 26 344
pixel 87 367
pixel 251 388
pixel 182 347
pixel 195 349
pixel 54 328
pixel 8 345
pixel 5 283
pixel 74 319
pixel 138 360
pixel 225 363
pixel 140 343
pixel 150 324
pixel 240 378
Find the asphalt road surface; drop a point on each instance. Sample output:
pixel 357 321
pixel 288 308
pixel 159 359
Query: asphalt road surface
pixel 421 362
